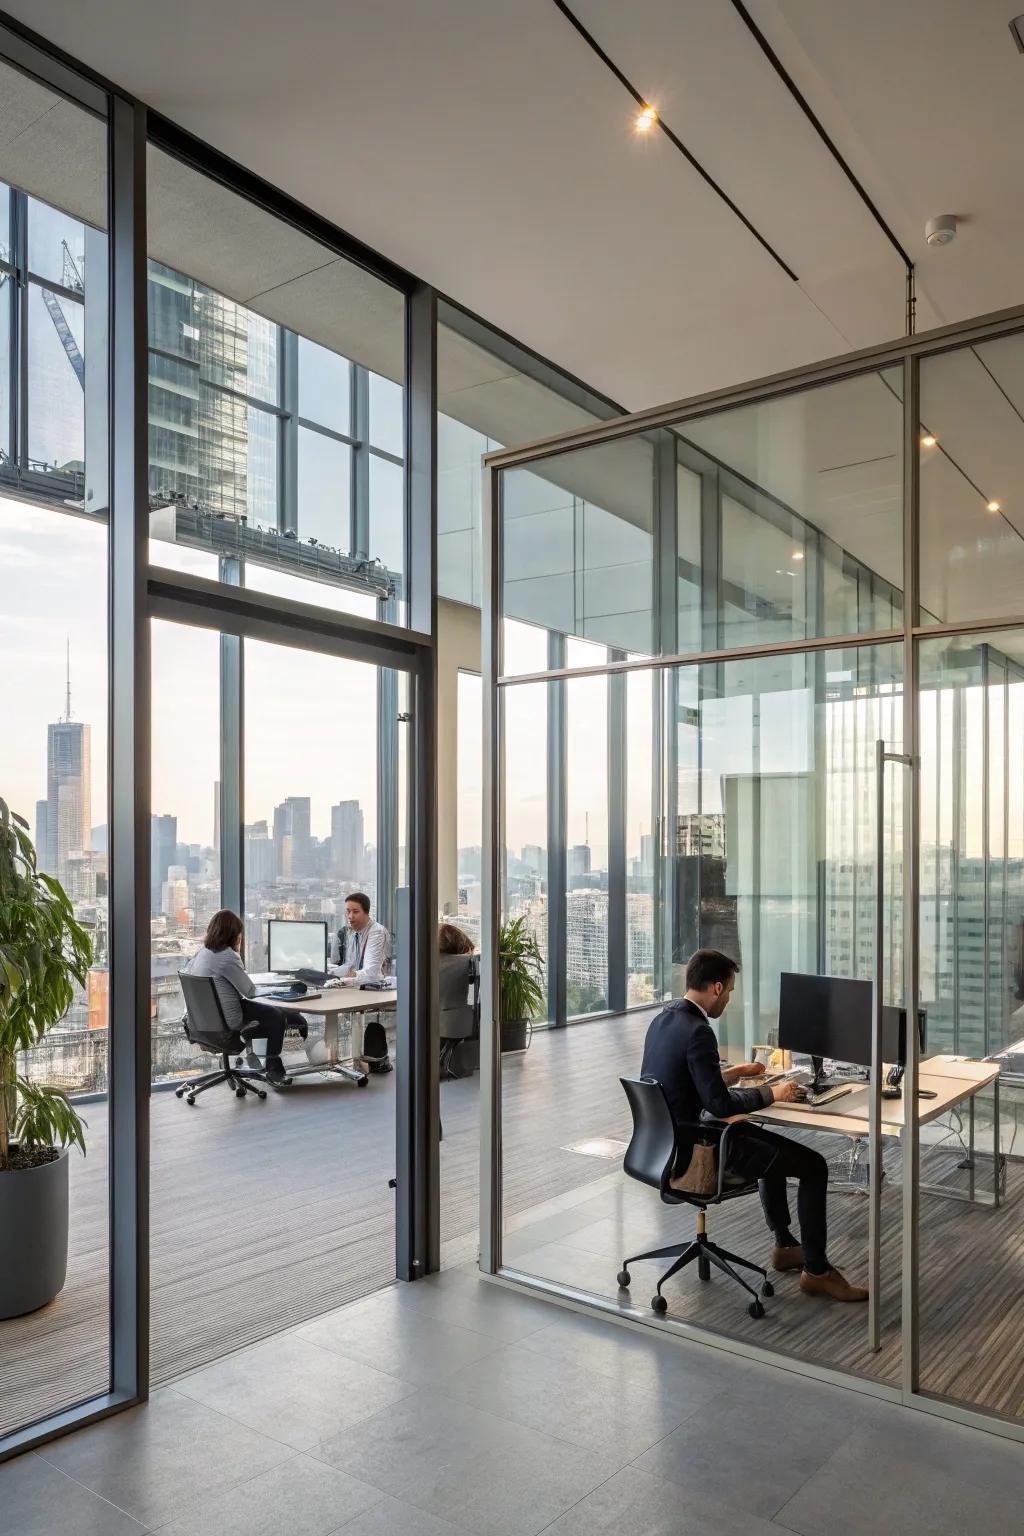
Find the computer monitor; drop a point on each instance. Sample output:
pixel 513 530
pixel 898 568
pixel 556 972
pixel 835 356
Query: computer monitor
pixel 831 1016
pixel 296 946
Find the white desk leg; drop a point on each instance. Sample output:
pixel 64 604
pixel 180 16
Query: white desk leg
pixel 331 1038
pixel 997 1146
pixel 358 1031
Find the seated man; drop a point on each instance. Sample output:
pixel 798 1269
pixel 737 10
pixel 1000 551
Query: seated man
pixel 362 952
pixel 681 1053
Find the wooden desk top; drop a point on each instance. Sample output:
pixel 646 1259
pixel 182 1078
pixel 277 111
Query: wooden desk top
pixel 340 1000
pixel 851 1113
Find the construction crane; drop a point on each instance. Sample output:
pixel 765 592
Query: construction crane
pixel 71 279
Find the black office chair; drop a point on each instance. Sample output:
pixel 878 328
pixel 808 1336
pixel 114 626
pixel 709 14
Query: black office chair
pixel 651 1157
pixel 206 1026
pixel 458 978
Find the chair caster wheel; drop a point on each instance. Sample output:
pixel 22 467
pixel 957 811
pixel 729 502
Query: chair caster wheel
pixel 361 1082
pixel 239 1093
pixel 659 1305
pixel 767 1289
pixel 179 1093
pixel 191 1099
pixel 262 1092
pixel 755 1309
pixel 623 1278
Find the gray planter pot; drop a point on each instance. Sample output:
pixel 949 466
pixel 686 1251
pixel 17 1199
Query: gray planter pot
pixel 514 1034
pixel 34 1223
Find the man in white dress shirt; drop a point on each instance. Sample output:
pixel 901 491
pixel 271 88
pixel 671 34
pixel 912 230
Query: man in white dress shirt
pixel 362 952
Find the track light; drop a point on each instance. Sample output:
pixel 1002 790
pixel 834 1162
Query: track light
pixel 928 441
pixel 994 506
pixel 646 119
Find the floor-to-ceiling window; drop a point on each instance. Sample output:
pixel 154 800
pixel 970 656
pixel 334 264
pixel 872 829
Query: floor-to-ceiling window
pixel 53 747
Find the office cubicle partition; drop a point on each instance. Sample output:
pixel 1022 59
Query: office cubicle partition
pixel 799 603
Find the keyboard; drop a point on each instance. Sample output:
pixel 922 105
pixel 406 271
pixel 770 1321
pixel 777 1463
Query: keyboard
pixel 826 1099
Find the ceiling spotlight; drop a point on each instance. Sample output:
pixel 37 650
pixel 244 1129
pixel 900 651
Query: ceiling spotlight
pixel 994 506
pixel 798 554
pixel 928 441
pixel 941 230
pixel 646 119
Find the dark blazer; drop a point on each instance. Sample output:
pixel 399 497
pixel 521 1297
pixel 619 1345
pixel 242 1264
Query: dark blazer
pixel 681 1052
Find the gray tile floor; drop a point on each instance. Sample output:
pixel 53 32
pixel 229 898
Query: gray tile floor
pixel 454 1406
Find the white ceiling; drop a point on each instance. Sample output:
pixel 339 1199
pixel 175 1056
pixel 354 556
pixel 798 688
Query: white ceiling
pixel 482 145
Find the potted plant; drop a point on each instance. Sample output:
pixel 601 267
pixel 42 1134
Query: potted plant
pixel 520 985
pixel 44 953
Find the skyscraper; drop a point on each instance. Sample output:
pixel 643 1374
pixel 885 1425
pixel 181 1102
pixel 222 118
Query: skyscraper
pixel 41 838
pixel 68 788
pixel 163 843
pixel 347 840
pixel 216 817
pixel 579 861
pixel 292 845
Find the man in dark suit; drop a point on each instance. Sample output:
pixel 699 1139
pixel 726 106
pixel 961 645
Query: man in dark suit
pixel 681 1053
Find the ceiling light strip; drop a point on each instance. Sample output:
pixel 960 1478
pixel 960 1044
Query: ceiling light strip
pixel 830 144
pixel 691 159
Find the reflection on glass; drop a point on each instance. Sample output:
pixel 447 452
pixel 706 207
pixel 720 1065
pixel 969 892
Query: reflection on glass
pixel 972 842
pixel 972 522
pixel 185 827
pixel 525 805
pixel 387 514
pixel 586 885
pixel 325 387
pixel 805 496
pixel 247 409
pixel 769 854
pixel 325 489
pixel 578 544
pixel 642 971
pixel 56 246
pixel 310 818
pixel 469 810
pixel 56 391
pixel 387 422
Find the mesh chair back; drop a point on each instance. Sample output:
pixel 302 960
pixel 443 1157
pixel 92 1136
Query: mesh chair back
pixel 651 1153
pixel 459 993
pixel 206 1023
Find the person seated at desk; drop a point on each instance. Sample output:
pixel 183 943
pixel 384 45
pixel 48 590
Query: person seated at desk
pixel 681 1053
pixel 362 952
pixel 221 959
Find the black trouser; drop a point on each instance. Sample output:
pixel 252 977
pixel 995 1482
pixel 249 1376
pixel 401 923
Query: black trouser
pixel 773 1159
pixel 262 1021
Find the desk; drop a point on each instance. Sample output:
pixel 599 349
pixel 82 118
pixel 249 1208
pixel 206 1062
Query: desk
pixel 953 1079
pixel 330 1005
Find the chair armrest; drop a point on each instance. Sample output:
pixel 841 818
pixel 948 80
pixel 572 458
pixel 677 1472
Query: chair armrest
pixel 719 1131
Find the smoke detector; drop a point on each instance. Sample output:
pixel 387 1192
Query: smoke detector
pixel 941 230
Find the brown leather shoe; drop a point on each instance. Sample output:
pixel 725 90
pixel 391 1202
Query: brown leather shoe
pixel 832 1284
pixel 788 1258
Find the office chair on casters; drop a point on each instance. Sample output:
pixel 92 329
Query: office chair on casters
pixel 651 1157
pixel 206 1026
pixel 458 979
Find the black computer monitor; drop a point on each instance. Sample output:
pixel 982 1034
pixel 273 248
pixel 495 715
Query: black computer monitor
pixel 296 946
pixel 831 1016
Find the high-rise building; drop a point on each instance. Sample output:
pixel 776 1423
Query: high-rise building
pixel 41 838
pixel 216 817
pixel 68 788
pixel 347 840
pixel 535 858
pixel 163 842
pixel 292 845
pixel 579 861
pixel 259 855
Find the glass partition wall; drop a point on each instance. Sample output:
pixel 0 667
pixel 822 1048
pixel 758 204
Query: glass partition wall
pixel 777 645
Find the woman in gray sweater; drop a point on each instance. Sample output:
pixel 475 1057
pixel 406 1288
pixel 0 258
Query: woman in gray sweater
pixel 221 958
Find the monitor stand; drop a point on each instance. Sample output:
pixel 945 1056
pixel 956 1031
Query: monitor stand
pixel 820 1083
